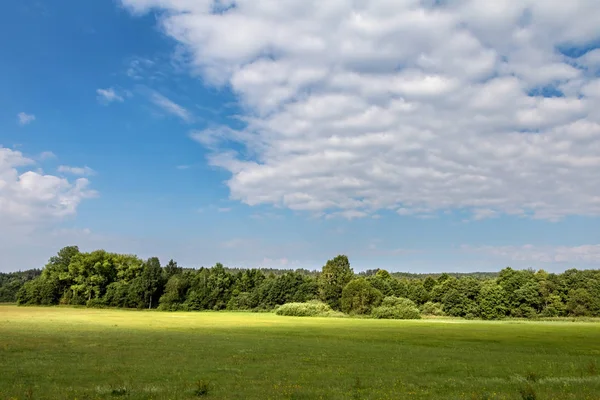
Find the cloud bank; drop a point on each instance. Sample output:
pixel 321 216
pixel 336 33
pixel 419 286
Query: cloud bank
pixel 415 106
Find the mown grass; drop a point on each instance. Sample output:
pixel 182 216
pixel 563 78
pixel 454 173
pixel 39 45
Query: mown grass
pixel 66 353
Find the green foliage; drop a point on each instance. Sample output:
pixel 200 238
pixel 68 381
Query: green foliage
pixel 429 283
pixel 396 308
pixel 383 282
pixel 175 292
pixel 150 282
pixel 95 303
pixel 117 295
pixel 554 306
pixel 579 303
pixel 359 297
pixel 333 278
pixel 458 296
pixel 242 301
pixel 42 290
pixel 431 308
pixel 171 269
pixel 11 283
pixel 493 302
pixel 313 308
pixel 100 278
pixel 417 292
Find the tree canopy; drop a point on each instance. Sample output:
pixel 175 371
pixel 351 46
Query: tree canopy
pixel 103 279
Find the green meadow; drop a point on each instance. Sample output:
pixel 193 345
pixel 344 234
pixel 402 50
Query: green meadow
pixel 77 353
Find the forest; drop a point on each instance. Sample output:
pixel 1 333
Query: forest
pixel 103 279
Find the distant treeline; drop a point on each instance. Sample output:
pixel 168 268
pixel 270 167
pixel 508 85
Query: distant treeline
pixel 11 282
pixel 103 279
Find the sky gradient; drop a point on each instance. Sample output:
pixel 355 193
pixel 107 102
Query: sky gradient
pixel 412 135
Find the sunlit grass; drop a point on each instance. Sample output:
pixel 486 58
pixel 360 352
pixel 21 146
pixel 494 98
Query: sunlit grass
pixel 67 353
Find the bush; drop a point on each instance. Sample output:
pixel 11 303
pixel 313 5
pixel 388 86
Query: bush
pixel 393 301
pixel 313 308
pixel 524 311
pixel 386 312
pixel 95 303
pixel 359 297
pixel 431 308
pixel 396 308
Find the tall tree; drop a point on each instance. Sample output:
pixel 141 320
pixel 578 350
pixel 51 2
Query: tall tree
pixel 171 269
pixel 151 282
pixel 334 277
pixel 359 297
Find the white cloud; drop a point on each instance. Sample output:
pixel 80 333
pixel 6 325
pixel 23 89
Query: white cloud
pixel 32 197
pixel 25 119
pixel 46 155
pixel 586 254
pixel 107 96
pixel 81 171
pixel 413 106
pixel 171 107
pixel 183 167
pixel 223 209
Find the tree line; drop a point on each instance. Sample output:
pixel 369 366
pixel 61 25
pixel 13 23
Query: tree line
pixel 104 279
pixel 11 282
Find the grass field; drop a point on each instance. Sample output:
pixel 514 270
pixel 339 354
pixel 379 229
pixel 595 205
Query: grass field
pixel 67 353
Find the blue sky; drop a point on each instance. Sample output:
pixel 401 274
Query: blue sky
pixel 259 135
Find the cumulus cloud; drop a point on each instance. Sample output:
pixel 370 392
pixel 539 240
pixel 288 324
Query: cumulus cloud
pixel 171 107
pixel 107 96
pixel 414 106
pixel 586 254
pixel 32 197
pixel 25 119
pixel 81 171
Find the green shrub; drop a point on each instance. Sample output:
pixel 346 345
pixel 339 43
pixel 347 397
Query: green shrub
pixel 524 311
pixel 431 308
pixel 396 308
pixel 359 297
pixel 393 301
pixel 313 308
pixel 95 303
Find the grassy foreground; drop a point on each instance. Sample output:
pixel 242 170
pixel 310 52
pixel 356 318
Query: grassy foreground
pixel 66 353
